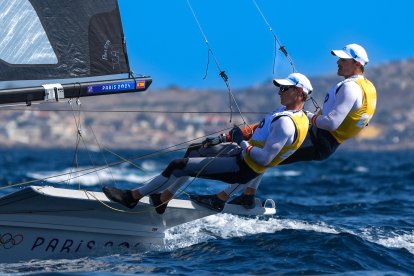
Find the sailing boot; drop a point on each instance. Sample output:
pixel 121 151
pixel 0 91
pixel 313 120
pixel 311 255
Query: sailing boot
pixel 121 196
pixel 211 202
pixel 158 204
pixel 247 201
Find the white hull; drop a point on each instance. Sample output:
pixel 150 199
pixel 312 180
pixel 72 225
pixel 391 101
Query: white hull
pixel 48 223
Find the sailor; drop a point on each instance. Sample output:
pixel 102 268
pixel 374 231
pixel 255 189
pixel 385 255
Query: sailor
pixel 348 107
pixel 263 145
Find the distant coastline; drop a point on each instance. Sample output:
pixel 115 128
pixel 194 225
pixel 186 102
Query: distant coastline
pixel 163 118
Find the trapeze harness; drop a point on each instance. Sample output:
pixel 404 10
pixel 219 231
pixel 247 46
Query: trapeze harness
pixel 320 143
pixel 238 168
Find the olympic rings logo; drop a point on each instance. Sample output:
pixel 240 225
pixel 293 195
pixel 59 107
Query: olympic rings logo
pixel 7 240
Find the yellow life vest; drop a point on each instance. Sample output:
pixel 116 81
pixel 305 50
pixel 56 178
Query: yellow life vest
pixel 356 120
pixel 301 122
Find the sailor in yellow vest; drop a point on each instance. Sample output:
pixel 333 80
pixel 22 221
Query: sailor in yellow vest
pixel 349 106
pixel 278 135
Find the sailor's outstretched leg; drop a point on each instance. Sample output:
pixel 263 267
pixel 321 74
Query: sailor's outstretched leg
pixel 130 198
pixel 205 167
pixel 125 197
pixel 158 204
pixel 212 202
pixel 223 168
pixel 230 170
pixel 160 200
pixel 217 201
pixel 247 198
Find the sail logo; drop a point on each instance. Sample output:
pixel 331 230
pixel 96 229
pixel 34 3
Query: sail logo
pixel 107 47
pixel 110 55
pixel 8 240
pixel 111 87
pixel 23 39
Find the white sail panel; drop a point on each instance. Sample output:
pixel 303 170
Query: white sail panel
pixel 23 39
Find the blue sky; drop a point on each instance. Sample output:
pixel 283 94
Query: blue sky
pixel 164 40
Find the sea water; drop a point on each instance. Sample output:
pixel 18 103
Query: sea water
pixel 350 215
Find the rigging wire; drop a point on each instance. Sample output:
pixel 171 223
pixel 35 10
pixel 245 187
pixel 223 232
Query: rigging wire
pixel 86 171
pixel 79 136
pixel 103 155
pixel 13 105
pixel 315 104
pixel 277 41
pixel 222 73
pixel 181 191
pixel 282 49
pixel 135 111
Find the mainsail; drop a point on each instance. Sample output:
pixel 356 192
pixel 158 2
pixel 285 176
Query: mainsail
pixel 51 50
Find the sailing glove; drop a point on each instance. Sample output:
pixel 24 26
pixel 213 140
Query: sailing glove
pixel 236 135
pixel 212 141
pixel 309 115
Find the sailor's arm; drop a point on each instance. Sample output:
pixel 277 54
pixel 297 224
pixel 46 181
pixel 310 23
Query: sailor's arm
pixel 345 100
pixel 282 132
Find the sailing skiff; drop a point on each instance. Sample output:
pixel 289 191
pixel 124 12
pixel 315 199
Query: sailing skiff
pixel 49 223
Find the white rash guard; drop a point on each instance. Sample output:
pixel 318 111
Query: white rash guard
pixel 282 132
pixel 337 105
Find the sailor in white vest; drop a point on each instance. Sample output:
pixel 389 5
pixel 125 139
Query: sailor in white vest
pixel 262 146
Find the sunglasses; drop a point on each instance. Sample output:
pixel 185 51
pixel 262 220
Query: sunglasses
pixel 286 88
pixel 346 59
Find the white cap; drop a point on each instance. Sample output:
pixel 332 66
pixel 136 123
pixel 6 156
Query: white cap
pixel 296 79
pixel 354 51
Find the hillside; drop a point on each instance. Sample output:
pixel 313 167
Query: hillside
pixel 155 119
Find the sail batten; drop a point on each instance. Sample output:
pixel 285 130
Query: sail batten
pixel 68 42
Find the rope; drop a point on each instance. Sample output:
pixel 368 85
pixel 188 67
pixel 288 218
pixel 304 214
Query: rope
pixel 315 104
pixel 204 36
pixel 87 170
pixel 116 209
pixel 136 111
pixel 143 211
pixel 182 191
pixel 78 137
pixel 222 73
pixel 77 119
pixel 277 42
pixel 103 155
pixel 95 170
pixel 13 105
pixel 166 150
